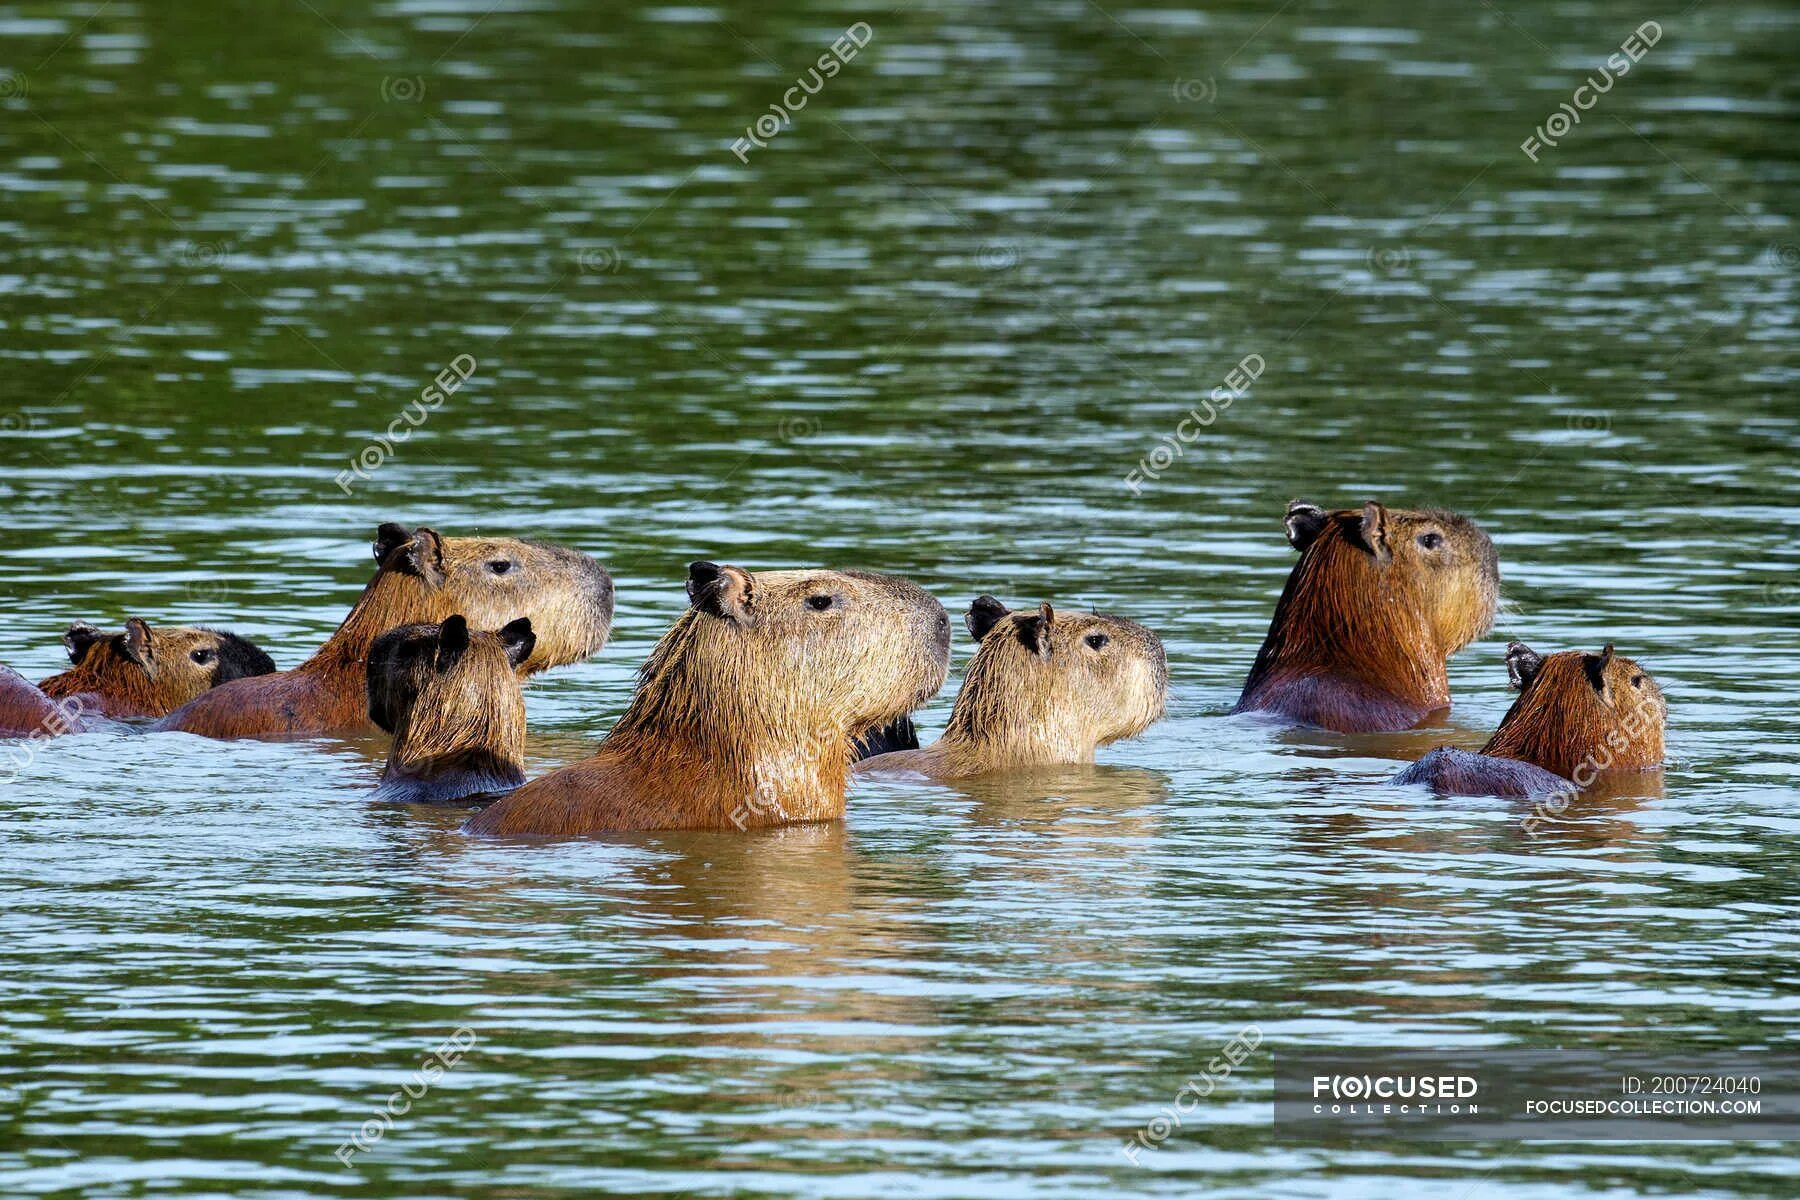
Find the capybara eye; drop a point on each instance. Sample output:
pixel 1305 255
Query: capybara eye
pixel 1097 640
pixel 499 566
pixel 820 603
pixel 1637 681
pixel 1432 540
pixel 202 656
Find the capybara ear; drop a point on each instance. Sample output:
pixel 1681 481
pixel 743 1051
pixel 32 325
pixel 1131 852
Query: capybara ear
pixel 1304 523
pixel 518 639
pixel 1595 665
pixel 1035 631
pixel 1522 665
pixel 721 591
pixel 80 639
pixel 421 555
pixel 137 641
pixel 1375 532
pixel 390 537
pixel 453 640
pixel 984 613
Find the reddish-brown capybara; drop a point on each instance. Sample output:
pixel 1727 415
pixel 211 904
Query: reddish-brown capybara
pixel 150 671
pixel 745 711
pixel 1578 716
pixel 1379 601
pixel 422 577
pixel 452 700
pixel 1044 688
pixel 26 712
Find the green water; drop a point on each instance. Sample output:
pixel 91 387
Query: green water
pixel 930 328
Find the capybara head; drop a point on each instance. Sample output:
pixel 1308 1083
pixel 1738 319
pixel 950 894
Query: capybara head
pixel 490 582
pixel 451 697
pixel 1579 714
pixel 1376 605
pixel 148 671
pixel 1439 562
pixel 1047 686
pixel 792 653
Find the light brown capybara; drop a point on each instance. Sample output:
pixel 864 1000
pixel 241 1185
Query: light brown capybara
pixel 452 700
pixel 150 671
pixel 1045 687
pixel 1578 717
pixel 745 712
pixel 1379 601
pixel 422 577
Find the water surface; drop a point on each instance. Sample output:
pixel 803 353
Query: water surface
pixel 931 328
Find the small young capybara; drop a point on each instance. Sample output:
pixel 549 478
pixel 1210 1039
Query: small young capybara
pixel 141 672
pixel 745 711
pixel 1043 688
pixel 1577 716
pixel 148 671
pixel 452 700
pixel 1379 601
pixel 422 577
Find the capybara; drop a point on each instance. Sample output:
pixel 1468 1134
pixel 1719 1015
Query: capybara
pixel 745 710
pixel 1379 601
pixel 422 577
pixel 452 700
pixel 26 712
pixel 148 671
pixel 1577 716
pixel 1044 687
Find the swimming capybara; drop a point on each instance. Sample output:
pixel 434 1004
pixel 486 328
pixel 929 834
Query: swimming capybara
pixel 1043 688
pixel 1577 716
pixel 452 700
pixel 422 577
pixel 148 671
pixel 745 710
pixel 1379 601
pixel 26 712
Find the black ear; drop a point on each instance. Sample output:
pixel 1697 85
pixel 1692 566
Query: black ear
pixel 453 640
pixel 390 537
pixel 137 641
pixel 1035 632
pixel 1522 665
pixel 518 639
pixel 1595 665
pixel 1304 522
pixel 1375 532
pixel 725 592
pixel 984 613
pixel 80 639
pixel 422 554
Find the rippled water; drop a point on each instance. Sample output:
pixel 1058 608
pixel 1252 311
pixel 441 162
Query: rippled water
pixel 930 328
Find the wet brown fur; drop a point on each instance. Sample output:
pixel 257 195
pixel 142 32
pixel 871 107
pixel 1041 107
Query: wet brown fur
pixel 1369 617
pixel 1562 720
pixel 423 577
pixel 25 711
pixel 1037 693
pixel 1578 717
pixel 452 699
pixel 146 671
pixel 745 710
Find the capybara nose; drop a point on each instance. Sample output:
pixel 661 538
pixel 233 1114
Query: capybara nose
pixel 943 630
